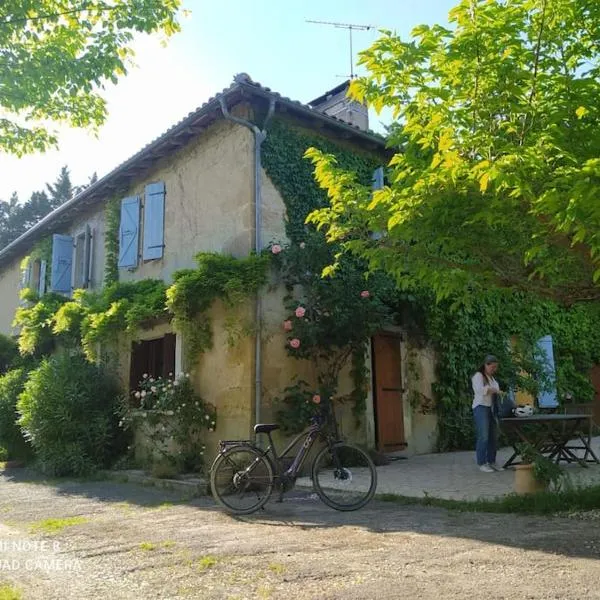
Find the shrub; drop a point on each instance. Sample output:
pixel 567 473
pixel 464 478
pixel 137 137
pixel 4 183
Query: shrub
pixel 9 353
pixel 11 436
pixel 69 413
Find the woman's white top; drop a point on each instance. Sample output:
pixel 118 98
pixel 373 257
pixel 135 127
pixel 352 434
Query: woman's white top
pixel 483 389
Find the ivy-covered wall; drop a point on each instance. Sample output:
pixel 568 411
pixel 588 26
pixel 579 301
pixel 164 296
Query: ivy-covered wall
pixel 505 324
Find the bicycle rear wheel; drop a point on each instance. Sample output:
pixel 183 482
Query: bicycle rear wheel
pixel 344 477
pixel 241 480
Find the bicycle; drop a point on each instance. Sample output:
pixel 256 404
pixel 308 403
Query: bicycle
pixel 243 476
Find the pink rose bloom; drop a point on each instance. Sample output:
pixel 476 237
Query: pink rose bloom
pixel 316 399
pixel 302 245
pixel 275 248
pixel 365 294
pixel 287 325
pixel 295 343
pixel 300 312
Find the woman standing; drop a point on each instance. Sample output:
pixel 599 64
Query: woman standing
pixel 484 388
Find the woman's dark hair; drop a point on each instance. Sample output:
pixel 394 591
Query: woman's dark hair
pixel 482 371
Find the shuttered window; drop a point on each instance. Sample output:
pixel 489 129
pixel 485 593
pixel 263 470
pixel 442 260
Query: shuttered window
pixel 548 397
pixel 154 221
pixel 378 178
pixel 62 261
pixel 129 232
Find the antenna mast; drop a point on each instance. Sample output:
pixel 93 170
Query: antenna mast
pixel 350 27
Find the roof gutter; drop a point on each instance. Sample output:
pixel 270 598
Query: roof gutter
pixel 260 135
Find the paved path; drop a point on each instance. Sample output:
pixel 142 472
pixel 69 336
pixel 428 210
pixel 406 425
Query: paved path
pixel 134 543
pixel 455 476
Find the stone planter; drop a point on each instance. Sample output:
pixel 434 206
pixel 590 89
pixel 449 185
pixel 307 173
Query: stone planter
pixel 525 482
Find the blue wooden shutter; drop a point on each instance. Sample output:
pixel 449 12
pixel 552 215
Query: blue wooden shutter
pixel 129 230
pixel 378 180
pixel 154 221
pixel 62 261
pixel 547 398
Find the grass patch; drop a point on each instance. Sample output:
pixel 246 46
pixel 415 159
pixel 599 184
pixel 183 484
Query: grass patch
pixel 543 503
pixel 207 562
pixel 56 525
pixel 148 546
pixel 168 544
pixel 8 592
pixel 277 568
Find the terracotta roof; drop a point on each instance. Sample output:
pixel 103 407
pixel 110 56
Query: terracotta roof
pixel 120 178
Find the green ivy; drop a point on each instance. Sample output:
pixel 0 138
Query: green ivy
pixel 216 277
pixel 91 318
pixel 111 241
pixel 463 335
pixel 283 159
pixel 338 321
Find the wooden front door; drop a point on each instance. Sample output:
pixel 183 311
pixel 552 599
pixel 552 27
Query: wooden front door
pixel 389 411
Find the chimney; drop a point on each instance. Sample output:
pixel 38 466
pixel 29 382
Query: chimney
pixel 336 103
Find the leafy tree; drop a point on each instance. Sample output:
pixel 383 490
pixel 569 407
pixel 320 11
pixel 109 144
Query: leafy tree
pixel 56 56
pixel 16 218
pixel 62 189
pixel 496 176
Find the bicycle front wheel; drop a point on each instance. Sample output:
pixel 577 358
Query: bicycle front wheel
pixel 344 477
pixel 241 480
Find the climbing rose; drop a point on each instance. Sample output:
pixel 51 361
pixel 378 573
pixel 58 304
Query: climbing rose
pixel 295 343
pixel 302 245
pixel 365 294
pixel 316 399
pixel 300 312
pixel 275 248
pixel 287 325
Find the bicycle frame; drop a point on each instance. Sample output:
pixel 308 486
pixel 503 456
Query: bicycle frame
pixel 310 435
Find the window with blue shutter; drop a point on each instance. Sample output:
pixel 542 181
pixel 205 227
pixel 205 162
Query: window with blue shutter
pixel 547 398
pixel 129 230
pixel 378 178
pixel 62 260
pixel 154 221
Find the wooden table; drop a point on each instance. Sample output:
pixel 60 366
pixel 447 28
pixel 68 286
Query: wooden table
pixel 551 435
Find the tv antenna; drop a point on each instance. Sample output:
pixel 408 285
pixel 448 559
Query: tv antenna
pixel 350 27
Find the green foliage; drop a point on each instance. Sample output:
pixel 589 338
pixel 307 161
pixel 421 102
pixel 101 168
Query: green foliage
pixel 56 56
pixel 9 352
pixel 282 157
pixel 177 417
pixel 11 437
pixel 35 322
pixel 463 335
pixel 69 415
pixel 546 471
pixel 330 318
pixel 91 318
pixel 111 241
pixel 296 407
pixel 216 277
pixel 496 177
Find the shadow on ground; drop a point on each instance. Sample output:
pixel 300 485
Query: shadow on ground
pixel 304 512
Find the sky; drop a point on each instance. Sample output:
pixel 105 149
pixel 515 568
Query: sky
pixel 268 39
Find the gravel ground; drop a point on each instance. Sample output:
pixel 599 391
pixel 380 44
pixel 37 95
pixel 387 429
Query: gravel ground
pixel 134 542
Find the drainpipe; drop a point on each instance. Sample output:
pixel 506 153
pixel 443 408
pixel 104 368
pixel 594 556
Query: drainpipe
pixel 259 137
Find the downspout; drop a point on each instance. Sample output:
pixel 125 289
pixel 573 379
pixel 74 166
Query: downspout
pixel 259 137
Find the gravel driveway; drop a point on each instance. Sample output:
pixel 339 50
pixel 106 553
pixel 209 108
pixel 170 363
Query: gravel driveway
pixel 131 542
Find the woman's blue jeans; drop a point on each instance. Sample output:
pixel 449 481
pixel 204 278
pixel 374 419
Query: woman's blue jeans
pixel 487 435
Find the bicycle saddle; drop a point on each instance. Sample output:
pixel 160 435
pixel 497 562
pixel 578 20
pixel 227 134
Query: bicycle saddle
pixel 265 427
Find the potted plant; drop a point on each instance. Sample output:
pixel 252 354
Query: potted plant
pixel 536 473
